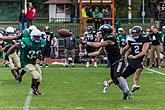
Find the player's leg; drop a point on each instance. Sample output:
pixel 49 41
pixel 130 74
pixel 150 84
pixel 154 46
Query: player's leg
pixel 17 63
pixel 66 54
pixel 40 78
pixel 120 81
pixel 136 77
pixel 73 57
pixel 35 77
pixel 48 49
pixel 12 67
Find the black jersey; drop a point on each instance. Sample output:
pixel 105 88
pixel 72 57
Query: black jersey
pixel 136 44
pixel 49 36
pixel 90 36
pixel 113 51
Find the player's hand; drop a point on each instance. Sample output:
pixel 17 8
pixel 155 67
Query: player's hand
pixel 7 57
pixel 83 54
pixel 83 41
pixel 131 57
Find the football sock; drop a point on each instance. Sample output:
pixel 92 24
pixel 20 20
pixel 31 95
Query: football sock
pixel 123 84
pixel 13 71
pixel 22 73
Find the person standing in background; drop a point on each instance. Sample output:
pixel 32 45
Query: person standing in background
pixel 31 14
pixel 69 44
pixel 155 38
pixel 22 20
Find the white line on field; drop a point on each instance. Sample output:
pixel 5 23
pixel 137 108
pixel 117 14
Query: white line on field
pixel 158 72
pixel 28 100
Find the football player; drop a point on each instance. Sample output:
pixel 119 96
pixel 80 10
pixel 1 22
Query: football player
pixel 110 44
pixel 89 36
pixel 13 61
pixel 30 51
pixel 138 44
pixel 49 38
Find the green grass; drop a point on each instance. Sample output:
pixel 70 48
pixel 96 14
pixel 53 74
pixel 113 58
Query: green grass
pixel 80 89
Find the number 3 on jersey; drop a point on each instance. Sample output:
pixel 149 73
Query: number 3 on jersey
pixel 136 49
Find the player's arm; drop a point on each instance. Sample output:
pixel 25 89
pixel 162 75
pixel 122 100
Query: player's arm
pixel 100 44
pixel 8 37
pixel 15 46
pixel 144 50
pixel 96 53
pixel 125 49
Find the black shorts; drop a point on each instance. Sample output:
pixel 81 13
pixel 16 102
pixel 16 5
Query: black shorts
pixel 133 65
pixel 90 49
pixel 116 70
pixel 46 51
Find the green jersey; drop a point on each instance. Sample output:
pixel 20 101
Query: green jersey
pixel 163 36
pixel 121 39
pixel 30 51
pixel 8 43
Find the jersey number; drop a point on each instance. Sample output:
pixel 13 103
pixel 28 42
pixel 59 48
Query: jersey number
pixel 137 49
pixel 32 54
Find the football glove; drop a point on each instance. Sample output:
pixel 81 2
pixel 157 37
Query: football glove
pixel 83 54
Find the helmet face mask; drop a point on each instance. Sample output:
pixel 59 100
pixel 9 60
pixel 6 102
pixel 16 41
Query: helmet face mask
pixel 10 31
pixel 36 35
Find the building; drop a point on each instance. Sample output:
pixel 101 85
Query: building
pixel 61 9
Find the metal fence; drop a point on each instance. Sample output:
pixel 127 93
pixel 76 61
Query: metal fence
pixel 73 23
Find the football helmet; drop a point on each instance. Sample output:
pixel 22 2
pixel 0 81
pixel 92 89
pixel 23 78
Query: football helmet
pixel 120 30
pixel 46 28
pixel 89 29
pixel 2 31
pixel 105 29
pixel 10 30
pixel 136 31
pixel 163 28
pixel 31 28
pixel 36 35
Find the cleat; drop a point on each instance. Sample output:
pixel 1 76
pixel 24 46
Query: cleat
pixel 105 86
pixel 35 92
pixel 19 79
pixel 135 87
pixel 159 67
pixel 40 65
pixel 127 95
pixel 73 66
pixel 65 66
pixel 46 66
pixel 39 93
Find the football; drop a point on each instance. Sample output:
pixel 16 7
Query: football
pixel 64 33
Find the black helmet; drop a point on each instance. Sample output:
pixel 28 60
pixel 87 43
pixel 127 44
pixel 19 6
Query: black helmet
pixel 89 28
pixel 46 28
pixel 105 29
pixel 136 29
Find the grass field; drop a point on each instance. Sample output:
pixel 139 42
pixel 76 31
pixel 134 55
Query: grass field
pixel 80 89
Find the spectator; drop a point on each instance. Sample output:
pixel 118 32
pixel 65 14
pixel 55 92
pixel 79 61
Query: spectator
pixel 158 10
pixel 155 47
pixel 162 16
pixel 90 15
pixel 97 15
pixel 31 13
pixel 84 16
pixel 107 14
pixel 22 20
pixel 69 44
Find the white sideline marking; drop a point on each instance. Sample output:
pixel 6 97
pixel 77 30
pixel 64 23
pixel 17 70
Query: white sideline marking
pixel 158 72
pixel 28 100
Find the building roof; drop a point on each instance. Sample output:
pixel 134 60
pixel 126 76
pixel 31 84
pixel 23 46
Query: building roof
pixel 59 2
